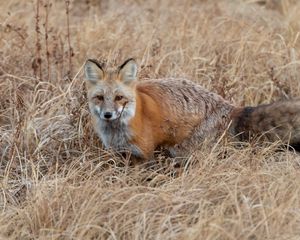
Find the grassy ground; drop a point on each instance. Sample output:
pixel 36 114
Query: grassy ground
pixel 56 180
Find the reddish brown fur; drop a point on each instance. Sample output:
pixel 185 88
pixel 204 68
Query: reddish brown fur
pixel 153 125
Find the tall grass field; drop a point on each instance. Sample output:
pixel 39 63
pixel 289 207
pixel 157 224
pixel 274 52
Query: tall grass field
pixel 56 179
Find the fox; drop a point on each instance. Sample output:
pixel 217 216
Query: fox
pixel 175 114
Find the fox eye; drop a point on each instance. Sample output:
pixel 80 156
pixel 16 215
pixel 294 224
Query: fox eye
pixel 118 98
pixel 99 98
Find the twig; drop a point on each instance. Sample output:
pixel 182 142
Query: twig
pixel 46 38
pixel 38 61
pixel 70 54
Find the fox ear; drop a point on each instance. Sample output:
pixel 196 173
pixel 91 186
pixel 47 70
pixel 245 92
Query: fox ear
pixel 128 71
pixel 93 71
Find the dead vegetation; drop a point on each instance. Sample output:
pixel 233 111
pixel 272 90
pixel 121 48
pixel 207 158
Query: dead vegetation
pixel 56 180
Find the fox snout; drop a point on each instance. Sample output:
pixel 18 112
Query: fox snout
pixel 107 114
pixel 110 115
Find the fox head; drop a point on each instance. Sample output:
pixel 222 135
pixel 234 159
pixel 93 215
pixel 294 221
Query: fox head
pixel 111 93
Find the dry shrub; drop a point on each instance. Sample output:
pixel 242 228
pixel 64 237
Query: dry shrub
pixel 57 182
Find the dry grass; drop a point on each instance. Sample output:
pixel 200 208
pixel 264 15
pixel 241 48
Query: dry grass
pixel 56 180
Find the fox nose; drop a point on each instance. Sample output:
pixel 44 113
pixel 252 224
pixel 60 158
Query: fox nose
pixel 107 115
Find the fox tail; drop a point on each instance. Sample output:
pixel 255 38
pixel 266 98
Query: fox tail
pixel 276 121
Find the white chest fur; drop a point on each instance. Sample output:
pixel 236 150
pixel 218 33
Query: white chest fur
pixel 117 136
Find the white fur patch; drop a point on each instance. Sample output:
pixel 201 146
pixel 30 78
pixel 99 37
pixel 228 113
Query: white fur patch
pixel 128 112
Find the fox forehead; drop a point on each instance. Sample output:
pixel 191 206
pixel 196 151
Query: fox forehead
pixel 111 81
pixel 108 88
pixel 108 84
pixel 111 75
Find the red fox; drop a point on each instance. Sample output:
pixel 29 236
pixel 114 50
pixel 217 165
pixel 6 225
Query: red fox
pixel 177 114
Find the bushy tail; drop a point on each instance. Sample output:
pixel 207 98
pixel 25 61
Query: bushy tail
pixel 276 121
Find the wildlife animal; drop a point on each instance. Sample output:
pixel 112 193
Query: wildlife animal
pixel 176 114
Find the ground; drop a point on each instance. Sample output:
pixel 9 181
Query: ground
pixel 56 180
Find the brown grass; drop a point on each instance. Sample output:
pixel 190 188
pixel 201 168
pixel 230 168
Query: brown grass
pixel 57 182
